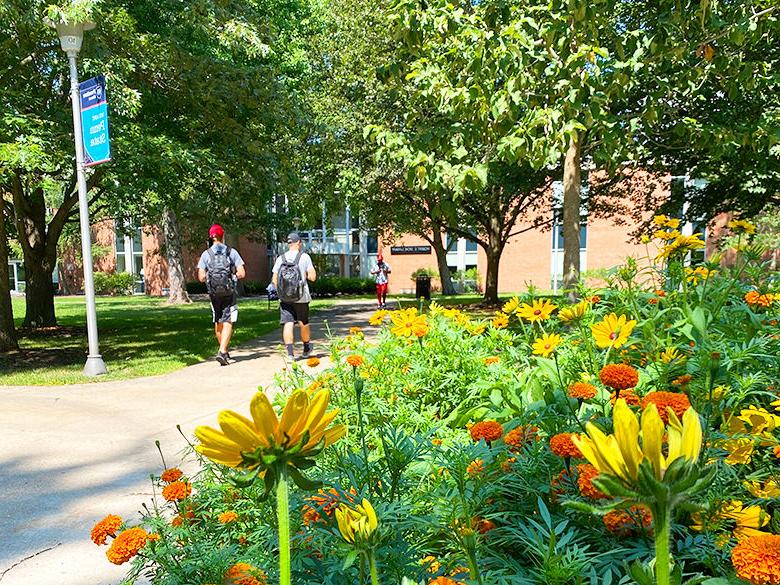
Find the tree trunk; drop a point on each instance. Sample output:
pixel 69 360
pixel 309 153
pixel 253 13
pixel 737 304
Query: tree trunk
pixel 8 340
pixel 441 260
pixel 493 251
pixel 571 215
pixel 177 289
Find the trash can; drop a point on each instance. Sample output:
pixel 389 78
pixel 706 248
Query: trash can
pixel 423 289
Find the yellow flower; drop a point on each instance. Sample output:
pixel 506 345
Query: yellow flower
pixel 621 454
pixel 699 274
pixel 741 226
pixel 538 310
pixel 760 420
pixel 740 450
pixel 546 344
pixel 450 313
pixel 500 320
pixel 574 312
pixel 240 436
pixel 664 221
pixel 776 404
pixel 718 392
pixel 358 523
pixel 682 244
pixel 770 489
pixel 665 235
pixel 613 331
pixel 478 329
pixel 511 305
pixel 378 317
pixel 408 323
pixel 671 354
pixel 747 521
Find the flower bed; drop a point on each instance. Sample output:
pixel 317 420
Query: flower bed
pixel 632 435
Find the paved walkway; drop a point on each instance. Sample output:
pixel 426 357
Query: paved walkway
pixel 69 455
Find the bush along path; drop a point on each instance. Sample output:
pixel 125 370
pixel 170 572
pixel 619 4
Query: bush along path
pixel 72 449
pixel 631 436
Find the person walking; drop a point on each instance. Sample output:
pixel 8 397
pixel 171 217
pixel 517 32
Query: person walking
pixel 380 271
pixel 219 267
pixel 292 273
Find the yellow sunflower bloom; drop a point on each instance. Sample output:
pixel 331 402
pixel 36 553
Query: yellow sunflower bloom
pixel 664 221
pixel 613 331
pixel 511 305
pixel 574 312
pixel 770 489
pixel 761 421
pixel 538 310
pixel 681 245
pixel 741 226
pixel 666 235
pixel 500 321
pixel 748 521
pixel 546 344
pixel 378 317
pixel 240 439
pixel 671 354
pixel 740 450
pixel 358 523
pixel 408 323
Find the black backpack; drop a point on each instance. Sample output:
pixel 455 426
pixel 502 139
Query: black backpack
pixel 219 273
pixel 289 280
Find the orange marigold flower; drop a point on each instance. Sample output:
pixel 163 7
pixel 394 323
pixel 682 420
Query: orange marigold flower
pixel 776 451
pixel 562 446
pixel 757 559
pixel 153 537
pixel 586 473
pixel 619 376
pixel 442 580
pixel 177 520
pixel 482 525
pixel 516 438
pixel 489 430
pixel 594 300
pixel 582 390
pixel 558 484
pixel 313 362
pixel 660 293
pixel 355 330
pixel 127 545
pixel 245 574
pixel 493 359
pixel 436 442
pixel 755 299
pixel 227 517
pixel 176 491
pixel 628 395
pixel 171 475
pixel 682 380
pixel 355 360
pixel 628 522
pixel 677 401
pixel 325 501
pixel 475 468
pixel 506 464
pixel 431 564
pixel 108 526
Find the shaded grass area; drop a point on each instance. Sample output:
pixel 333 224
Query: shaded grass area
pixel 139 336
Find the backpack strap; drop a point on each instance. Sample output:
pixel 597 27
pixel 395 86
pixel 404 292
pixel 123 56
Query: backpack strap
pixel 228 251
pixel 212 257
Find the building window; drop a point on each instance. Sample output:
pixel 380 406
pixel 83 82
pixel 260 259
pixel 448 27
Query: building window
pixel 130 254
pixel 16 276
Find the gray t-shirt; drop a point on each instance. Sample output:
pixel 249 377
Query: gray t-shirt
pixel 304 264
pixel 234 256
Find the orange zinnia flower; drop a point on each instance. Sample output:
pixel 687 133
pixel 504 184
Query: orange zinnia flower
pixel 678 402
pixel 493 359
pixel 682 380
pixel 586 473
pixel 562 446
pixel 619 376
pixel 171 475
pixel 244 574
pixel 355 360
pixel 227 517
pixel 108 526
pixel 475 468
pixel 176 491
pixel 582 390
pixel 776 451
pixel 489 430
pixel 127 545
pixel 444 581
pixel 482 525
pixel 313 362
pixel 627 522
pixel 755 299
pixel 757 559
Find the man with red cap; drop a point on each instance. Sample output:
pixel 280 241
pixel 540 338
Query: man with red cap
pixel 219 267
pixel 380 271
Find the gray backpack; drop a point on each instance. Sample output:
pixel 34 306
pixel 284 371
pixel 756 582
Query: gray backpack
pixel 219 273
pixel 289 280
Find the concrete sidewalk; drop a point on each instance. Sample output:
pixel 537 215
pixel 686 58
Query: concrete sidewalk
pixel 72 454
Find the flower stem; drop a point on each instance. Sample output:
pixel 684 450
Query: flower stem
pixel 359 399
pixel 372 568
pixel 473 568
pixel 661 526
pixel 283 518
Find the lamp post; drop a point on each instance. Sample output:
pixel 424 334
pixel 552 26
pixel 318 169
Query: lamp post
pixel 71 36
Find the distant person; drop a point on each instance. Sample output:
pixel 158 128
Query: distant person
pixel 380 271
pixel 292 272
pixel 219 267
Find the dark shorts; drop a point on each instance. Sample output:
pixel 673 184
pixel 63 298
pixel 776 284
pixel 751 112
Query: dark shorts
pixel 224 309
pixel 294 313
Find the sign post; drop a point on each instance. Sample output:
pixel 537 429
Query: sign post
pixel 94 121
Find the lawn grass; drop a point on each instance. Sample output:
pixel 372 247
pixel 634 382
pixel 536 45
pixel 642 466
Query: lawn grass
pixel 139 336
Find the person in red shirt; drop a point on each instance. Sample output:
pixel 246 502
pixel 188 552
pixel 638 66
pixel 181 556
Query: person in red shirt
pixel 380 271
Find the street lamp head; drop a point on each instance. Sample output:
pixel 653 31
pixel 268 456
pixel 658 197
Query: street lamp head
pixel 71 34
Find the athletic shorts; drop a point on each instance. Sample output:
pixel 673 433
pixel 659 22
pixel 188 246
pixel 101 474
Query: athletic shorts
pixel 294 313
pixel 224 309
pixel 381 288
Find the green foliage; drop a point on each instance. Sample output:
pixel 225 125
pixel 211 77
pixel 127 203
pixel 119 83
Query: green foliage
pixel 329 286
pixel 114 283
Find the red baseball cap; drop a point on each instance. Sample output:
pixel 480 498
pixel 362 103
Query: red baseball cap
pixel 216 231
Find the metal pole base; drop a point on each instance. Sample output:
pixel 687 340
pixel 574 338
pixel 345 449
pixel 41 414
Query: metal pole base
pixel 95 366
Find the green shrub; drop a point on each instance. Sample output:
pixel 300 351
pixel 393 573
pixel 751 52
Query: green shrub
pixel 432 272
pixel 117 283
pixel 329 286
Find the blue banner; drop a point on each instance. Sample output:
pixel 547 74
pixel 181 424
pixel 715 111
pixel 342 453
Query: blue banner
pixel 94 121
